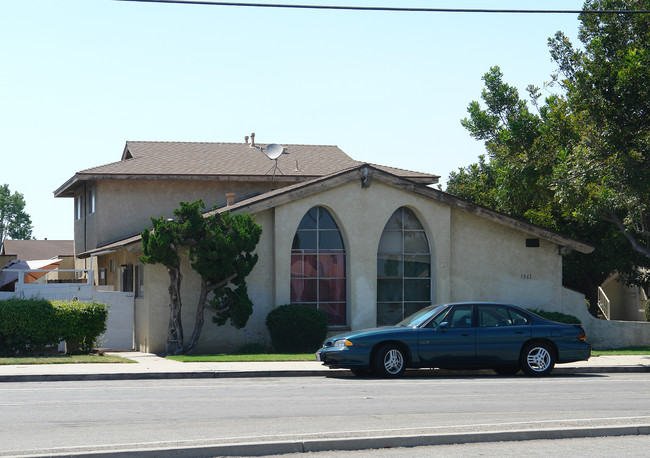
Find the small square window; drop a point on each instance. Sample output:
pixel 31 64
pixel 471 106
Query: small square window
pixel 532 243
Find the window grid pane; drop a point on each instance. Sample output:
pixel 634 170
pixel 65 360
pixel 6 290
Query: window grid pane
pixel 318 276
pixel 403 268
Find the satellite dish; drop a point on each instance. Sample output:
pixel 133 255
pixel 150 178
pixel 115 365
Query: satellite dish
pixel 273 151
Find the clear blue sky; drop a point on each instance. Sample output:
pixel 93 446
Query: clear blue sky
pixel 81 77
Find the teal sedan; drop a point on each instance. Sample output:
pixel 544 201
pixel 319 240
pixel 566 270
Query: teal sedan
pixel 502 337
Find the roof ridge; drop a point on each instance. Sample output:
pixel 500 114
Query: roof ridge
pixel 400 168
pixel 223 143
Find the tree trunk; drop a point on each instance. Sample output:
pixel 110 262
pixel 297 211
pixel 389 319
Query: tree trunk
pixel 198 322
pixel 175 330
pixel 200 308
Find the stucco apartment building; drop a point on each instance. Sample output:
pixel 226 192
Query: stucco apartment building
pixel 367 244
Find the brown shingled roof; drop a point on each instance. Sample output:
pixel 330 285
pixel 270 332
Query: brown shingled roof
pixel 224 161
pixel 31 250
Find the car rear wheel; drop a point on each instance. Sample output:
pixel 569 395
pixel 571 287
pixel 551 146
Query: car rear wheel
pixel 537 359
pixel 389 361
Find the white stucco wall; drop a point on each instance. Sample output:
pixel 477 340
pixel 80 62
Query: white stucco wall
pixel 491 262
pixel 472 259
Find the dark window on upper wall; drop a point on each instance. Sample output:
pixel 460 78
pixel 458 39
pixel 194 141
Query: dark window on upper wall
pixel 318 272
pixel 532 243
pixel 78 207
pixel 403 268
pixel 91 201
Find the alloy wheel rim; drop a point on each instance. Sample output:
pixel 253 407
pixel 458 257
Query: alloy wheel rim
pixel 393 361
pixel 539 359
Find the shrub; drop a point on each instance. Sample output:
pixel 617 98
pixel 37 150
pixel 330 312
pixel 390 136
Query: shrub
pixel 27 324
pixel 557 316
pixel 81 323
pixel 647 310
pixel 32 324
pixel 296 328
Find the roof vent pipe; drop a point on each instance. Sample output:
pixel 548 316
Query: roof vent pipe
pixel 253 139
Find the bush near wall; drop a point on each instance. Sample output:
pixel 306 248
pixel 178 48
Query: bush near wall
pixel 28 325
pixel 557 316
pixel 81 323
pixel 296 328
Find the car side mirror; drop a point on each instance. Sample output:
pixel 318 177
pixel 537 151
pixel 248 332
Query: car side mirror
pixel 442 326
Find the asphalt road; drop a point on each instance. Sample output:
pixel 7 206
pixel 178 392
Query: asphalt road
pixel 66 417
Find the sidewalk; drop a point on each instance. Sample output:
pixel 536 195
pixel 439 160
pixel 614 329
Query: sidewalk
pixel 149 366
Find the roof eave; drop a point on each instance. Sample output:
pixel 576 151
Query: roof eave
pixel 67 188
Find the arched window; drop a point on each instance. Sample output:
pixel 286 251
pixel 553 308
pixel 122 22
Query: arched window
pixel 318 266
pixel 403 268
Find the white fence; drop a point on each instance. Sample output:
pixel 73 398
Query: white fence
pixel 120 324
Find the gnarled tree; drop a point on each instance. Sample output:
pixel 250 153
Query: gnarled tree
pixel 220 249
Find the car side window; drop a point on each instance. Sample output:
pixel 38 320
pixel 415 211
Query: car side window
pixel 518 319
pixel 495 315
pixel 460 317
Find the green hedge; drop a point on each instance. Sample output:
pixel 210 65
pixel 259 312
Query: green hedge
pixel 296 328
pixel 557 316
pixel 81 323
pixel 32 324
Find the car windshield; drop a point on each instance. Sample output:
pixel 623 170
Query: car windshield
pixel 421 316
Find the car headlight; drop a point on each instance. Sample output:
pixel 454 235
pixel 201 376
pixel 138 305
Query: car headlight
pixel 342 343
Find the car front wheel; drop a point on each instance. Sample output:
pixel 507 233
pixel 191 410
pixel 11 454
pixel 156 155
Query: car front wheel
pixel 537 359
pixel 389 361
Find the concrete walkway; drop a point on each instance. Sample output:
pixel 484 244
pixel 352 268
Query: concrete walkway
pixel 149 366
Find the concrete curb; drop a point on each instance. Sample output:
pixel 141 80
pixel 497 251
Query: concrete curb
pixel 207 374
pixel 360 443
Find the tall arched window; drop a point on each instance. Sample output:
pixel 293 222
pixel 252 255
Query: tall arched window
pixel 403 268
pixel 318 266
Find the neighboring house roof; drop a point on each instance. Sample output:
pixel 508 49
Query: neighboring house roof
pixel 30 250
pixel 224 162
pixel 366 174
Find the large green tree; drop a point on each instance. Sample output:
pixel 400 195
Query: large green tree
pixel 220 249
pixel 607 86
pixel 14 221
pixel 577 161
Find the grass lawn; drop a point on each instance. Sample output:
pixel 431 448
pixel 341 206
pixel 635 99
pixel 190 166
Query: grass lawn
pixel 225 358
pixel 63 359
pixel 622 351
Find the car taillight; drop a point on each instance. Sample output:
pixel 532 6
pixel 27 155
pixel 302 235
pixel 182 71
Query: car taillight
pixel 582 336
